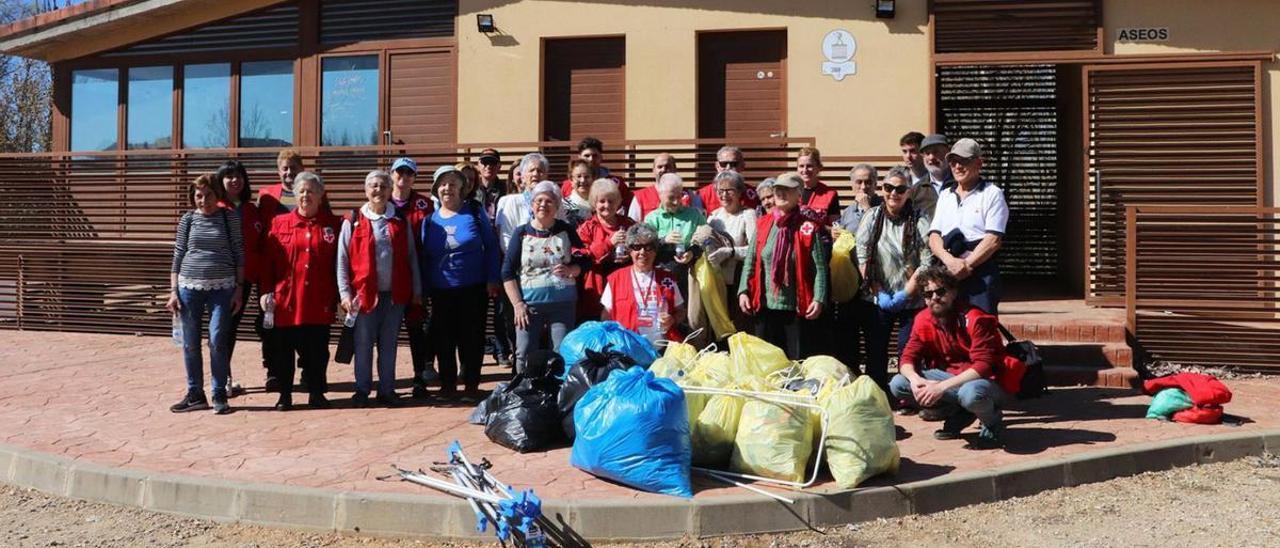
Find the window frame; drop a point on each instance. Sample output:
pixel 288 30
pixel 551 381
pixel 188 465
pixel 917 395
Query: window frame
pixel 381 56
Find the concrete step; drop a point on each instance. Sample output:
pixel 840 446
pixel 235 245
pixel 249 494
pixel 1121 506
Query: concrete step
pixel 1045 332
pixel 1087 354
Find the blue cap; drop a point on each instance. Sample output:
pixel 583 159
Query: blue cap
pixel 441 171
pixel 405 162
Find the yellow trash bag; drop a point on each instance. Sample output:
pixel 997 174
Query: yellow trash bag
pixel 773 441
pixel 668 367
pixel 713 432
pixel 753 358
pixel 861 441
pixel 684 352
pixel 711 287
pixel 824 368
pixel 712 370
pixel 844 270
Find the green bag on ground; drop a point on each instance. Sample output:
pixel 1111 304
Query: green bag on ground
pixel 773 441
pixel 1167 402
pixel 861 440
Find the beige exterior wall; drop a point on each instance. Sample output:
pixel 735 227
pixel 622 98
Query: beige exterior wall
pixel 1199 26
pixel 499 76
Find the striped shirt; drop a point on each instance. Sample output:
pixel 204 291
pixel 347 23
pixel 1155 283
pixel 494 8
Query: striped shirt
pixel 205 256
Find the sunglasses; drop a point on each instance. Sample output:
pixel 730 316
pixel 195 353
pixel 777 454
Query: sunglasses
pixel 895 189
pixel 489 161
pixel 732 164
pixel 643 247
pixel 935 294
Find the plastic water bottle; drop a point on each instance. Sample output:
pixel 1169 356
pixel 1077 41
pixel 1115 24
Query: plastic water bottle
pixel 269 315
pixel 679 250
pixel 350 319
pixel 177 330
pixel 620 252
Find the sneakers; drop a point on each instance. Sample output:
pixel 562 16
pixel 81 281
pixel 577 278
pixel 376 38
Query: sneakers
pixel 220 405
pixel 987 439
pixel 389 399
pixel 935 414
pixel 234 388
pixel 193 401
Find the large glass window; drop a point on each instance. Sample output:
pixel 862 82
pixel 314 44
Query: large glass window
pixel 95 96
pixel 349 101
pixel 206 106
pixel 150 107
pixel 266 104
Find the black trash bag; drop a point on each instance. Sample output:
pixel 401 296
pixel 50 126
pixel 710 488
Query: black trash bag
pixel 590 371
pixel 346 345
pixel 480 415
pixel 523 415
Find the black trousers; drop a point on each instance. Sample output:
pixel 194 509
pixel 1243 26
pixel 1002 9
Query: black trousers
pixel 305 346
pixel 504 326
pixel 457 333
pixel 420 351
pixel 878 325
pixel 846 333
pixel 796 336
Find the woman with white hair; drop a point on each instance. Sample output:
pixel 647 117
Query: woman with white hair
pixel 300 287
pixel 737 221
pixel 544 259
pixel 604 235
pixel 377 280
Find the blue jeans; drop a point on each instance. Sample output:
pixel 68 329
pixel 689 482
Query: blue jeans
pixel 556 318
pixel 194 302
pixel 379 327
pixel 980 397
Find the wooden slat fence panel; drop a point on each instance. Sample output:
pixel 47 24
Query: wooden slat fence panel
pixel 1205 285
pixel 967 26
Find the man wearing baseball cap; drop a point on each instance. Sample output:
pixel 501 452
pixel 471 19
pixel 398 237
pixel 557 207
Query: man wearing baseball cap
pixel 933 155
pixel 414 207
pixel 968 227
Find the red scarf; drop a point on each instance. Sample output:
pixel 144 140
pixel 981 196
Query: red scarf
pixel 796 236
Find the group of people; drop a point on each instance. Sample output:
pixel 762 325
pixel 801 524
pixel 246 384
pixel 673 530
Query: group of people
pixel 548 255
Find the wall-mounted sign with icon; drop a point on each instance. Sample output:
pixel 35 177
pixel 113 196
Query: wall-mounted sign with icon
pixel 838 47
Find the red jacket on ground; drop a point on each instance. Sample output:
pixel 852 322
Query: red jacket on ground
pixel 973 343
pixel 626 310
pixel 363 254
pixel 1206 392
pixel 300 267
pixel 711 199
pixel 595 235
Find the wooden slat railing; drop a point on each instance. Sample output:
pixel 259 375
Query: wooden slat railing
pixel 1204 287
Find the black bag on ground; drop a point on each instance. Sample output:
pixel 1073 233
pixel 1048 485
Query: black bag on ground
pixel 590 371
pixel 523 416
pixel 346 345
pixel 480 415
pixel 1034 383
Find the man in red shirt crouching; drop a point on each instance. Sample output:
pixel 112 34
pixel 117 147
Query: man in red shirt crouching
pixel 952 362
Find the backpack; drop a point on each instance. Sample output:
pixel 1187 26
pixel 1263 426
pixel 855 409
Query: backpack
pixel 1034 384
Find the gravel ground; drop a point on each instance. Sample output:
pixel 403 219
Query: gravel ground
pixel 1228 504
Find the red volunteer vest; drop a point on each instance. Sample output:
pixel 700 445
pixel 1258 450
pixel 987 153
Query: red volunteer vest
pixel 820 201
pixel 364 263
pixel 269 203
pixel 804 264
pixel 626 310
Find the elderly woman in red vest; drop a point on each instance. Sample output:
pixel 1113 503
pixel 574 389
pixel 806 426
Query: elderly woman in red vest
pixel 377 280
pixel 784 282
pixel 300 289
pixel 605 235
pixel 642 297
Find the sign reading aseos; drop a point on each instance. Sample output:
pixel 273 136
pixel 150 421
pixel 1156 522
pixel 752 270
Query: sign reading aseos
pixel 1150 34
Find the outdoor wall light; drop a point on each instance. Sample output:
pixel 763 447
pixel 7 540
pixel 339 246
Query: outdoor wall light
pixel 885 9
pixel 484 22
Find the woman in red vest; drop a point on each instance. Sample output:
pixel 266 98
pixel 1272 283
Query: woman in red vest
pixel 605 235
pixel 641 297
pixel 300 290
pixel 784 282
pixel 818 201
pixel 377 281
pixel 235 180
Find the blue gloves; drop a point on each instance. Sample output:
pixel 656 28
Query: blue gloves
pixel 892 302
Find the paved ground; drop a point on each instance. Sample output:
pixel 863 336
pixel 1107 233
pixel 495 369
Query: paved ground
pixel 104 399
pixel 1235 504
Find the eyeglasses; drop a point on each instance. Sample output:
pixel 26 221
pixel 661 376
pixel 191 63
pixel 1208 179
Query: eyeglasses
pixel 726 190
pixel 729 164
pixel 895 189
pixel 958 160
pixel 937 293
pixel 644 247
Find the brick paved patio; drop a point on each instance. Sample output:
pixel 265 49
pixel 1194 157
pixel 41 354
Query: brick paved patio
pixel 104 399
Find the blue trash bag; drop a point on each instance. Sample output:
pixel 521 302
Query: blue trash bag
pixel 602 336
pixel 634 429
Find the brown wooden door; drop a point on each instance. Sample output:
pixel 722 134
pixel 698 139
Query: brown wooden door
pixel 584 83
pixel 1175 134
pixel 741 85
pixel 421 105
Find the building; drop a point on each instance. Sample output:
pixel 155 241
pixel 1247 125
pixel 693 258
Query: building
pixel 1085 106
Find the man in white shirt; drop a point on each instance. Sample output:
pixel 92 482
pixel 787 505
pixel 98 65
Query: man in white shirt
pixel 968 227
